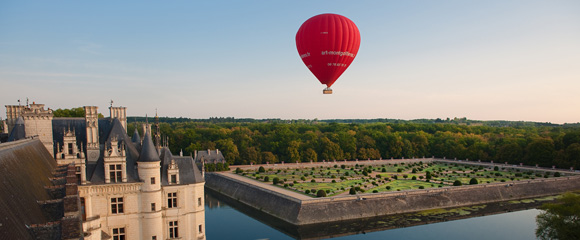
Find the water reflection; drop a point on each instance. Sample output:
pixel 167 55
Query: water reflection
pixel 221 210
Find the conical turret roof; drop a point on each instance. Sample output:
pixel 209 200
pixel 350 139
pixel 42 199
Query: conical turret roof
pixel 148 151
pixel 136 138
pixel 18 132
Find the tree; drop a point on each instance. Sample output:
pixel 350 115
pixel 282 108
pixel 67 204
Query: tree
pixel 561 220
pixel 261 169
pixel 457 183
pixel 321 193
pixel 269 157
pixel 352 191
pixel 309 155
pixel 275 181
pixel 229 150
pixel 473 181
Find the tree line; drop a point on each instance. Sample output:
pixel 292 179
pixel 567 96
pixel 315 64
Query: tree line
pixel 304 141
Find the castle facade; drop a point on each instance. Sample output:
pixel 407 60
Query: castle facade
pixel 129 187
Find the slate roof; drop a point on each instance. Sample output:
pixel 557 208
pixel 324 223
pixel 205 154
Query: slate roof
pixel 96 172
pixel 148 150
pixel 188 171
pixel 210 156
pixel 60 125
pixel 18 131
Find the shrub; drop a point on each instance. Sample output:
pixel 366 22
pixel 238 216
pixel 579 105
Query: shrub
pixel 388 187
pixel 399 170
pixel 496 168
pixel 285 185
pixel 342 166
pixel 395 177
pixel 405 176
pixel 352 191
pixel 457 183
pixel 384 170
pixel 303 178
pixel 557 174
pixel 275 180
pixel 414 170
pixel 375 191
pixel 239 170
pixel 473 181
pixel 421 187
pixel 266 179
pixel 261 169
pixel 307 191
pixel 414 178
pixel 333 181
pixel 312 180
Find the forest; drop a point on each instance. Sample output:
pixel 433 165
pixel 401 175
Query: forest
pixel 273 140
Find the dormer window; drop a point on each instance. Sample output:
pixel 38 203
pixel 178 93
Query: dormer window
pixel 115 162
pixel 115 173
pixel 173 172
pixel 173 179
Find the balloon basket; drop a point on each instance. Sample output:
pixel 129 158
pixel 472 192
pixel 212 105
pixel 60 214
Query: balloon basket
pixel 327 91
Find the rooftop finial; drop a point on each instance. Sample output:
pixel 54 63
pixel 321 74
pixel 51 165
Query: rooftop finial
pixel 111 102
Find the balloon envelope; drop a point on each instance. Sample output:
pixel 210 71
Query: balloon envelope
pixel 327 44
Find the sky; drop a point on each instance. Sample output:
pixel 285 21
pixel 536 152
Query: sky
pixel 513 60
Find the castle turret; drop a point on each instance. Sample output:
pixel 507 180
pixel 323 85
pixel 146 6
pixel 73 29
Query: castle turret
pixel 38 123
pixel 149 168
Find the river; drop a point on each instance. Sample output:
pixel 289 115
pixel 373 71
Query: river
pixel 228 220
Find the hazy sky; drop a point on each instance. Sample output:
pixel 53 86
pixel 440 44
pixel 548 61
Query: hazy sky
pixel 485 60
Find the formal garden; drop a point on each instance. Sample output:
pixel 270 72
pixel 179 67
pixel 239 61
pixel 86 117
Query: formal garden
pixel 340 179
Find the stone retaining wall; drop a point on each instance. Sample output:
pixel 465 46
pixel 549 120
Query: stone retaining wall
pixel 319 210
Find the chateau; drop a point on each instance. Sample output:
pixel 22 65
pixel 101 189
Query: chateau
pixel 129 187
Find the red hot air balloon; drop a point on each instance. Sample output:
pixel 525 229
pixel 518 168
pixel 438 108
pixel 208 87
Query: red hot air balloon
pixel 327 44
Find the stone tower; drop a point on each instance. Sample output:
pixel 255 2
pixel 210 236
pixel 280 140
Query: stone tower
pixel 120 113
pixel 12 113
pixel 149 169
pixel 38 122
pixel 92 126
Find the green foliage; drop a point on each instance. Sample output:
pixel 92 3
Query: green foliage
pixel 259 141
pixel 275 180
pixel 457 183
pixel 239 170
pixel 352 191
pixel 216 167
pixel 473 181
pixel 261 169
pixel 561 220
pixel 266 179
pixel 321 193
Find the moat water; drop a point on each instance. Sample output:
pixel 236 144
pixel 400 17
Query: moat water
pixel 227 220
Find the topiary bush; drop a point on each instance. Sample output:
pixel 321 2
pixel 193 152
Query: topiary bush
pixel 266 179
pixel 473 181
pixel 457 183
